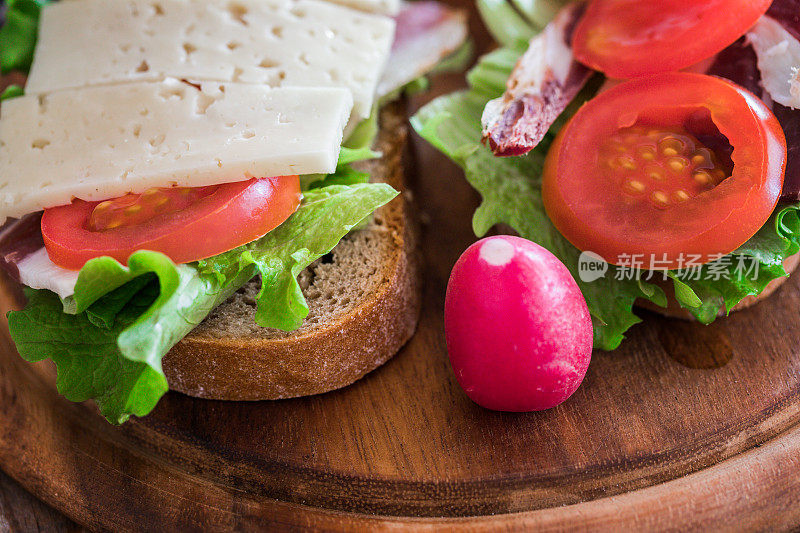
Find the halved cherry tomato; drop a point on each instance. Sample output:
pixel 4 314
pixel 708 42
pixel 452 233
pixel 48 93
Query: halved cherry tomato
pixel 631 38
pixel 186 224
pixel 642 170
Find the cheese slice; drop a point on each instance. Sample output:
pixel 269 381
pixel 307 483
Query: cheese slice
pixel 103 142
pixel 280 43
pixel 384 7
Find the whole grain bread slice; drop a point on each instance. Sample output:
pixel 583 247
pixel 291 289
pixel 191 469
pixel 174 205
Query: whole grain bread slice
pixel 364 300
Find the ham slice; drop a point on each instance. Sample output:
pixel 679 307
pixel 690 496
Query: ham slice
pixel 426 33
pixel 24 258
pixel 19 238
pixel 543 83
pixel 778 53
pixel 37 271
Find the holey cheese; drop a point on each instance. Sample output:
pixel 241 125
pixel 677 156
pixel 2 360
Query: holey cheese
pixel 103 142
pixel 280 43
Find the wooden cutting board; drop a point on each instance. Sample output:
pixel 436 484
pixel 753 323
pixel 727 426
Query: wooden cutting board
pixel 684 427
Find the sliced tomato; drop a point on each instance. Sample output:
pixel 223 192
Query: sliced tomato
pixel 631 38
pixel 645 170
pixel 186 223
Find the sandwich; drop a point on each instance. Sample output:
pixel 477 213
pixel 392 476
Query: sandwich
pixel 204 196
pixel 653 147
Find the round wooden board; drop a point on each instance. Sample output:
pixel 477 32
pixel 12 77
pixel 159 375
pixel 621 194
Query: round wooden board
pixel 684 427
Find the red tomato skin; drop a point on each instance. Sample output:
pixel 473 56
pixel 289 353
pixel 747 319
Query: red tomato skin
pixel 711 224
pixel 235 214
pixel 633 38
pixel 519 334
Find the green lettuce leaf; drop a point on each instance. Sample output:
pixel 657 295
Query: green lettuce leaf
pixel 513 22
pixel 458 61
pixel 345 174
pixel 122 320
pixel 18 34
pixel 88 358
pixel 511 192
pixel 539 12
pixel 363 136
pixel 723 283
pixel 12 91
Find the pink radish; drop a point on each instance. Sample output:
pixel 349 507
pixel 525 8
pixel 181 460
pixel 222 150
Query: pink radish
pixel 519 334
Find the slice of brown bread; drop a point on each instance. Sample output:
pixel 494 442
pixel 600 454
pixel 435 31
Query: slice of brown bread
pixel 674 309
pixel 364 301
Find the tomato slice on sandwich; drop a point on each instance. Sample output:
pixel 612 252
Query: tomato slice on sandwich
pixel 631 38
pixel 646 169
pixel 184 223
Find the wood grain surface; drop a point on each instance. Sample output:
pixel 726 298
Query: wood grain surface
pixel 21 512
pixel 685 427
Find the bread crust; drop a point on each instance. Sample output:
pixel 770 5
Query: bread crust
pixel 332 354
pixel 674 310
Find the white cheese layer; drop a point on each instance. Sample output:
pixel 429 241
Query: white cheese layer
pixel 280 43
pixel 383 7
pixel 103 142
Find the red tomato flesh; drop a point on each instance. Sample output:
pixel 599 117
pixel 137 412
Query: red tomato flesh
pixel 185 223
pixel 632 38
pixel 136 209
pixel 629 175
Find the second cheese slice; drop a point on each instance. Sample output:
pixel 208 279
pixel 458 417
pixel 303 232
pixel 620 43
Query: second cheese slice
pixel 281 43
pixel 103 142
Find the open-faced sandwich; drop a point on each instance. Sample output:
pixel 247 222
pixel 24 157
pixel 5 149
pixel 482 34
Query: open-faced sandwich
pixel 653 147
pixel 190 191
